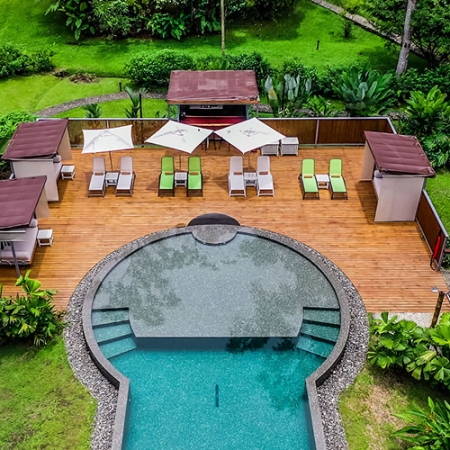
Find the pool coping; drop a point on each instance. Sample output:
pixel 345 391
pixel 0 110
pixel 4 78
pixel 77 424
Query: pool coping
pixel 323 386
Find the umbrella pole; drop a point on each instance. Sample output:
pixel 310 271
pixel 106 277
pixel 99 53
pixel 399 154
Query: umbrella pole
pixel 249 161
pixel 179 158
pixel 110 159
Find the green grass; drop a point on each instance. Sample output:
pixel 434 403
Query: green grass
pixel 116 109
pixel 367 407
pixel 297 35
pixel 439 191
pixel 42 405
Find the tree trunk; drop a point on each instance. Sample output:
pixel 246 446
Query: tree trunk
pixel 222 24
pixel 402 64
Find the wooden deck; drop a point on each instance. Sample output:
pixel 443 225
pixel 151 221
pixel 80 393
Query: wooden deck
pixel 388 263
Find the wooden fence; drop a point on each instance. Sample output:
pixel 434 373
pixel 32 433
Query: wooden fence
pixel 433 230
pixel 309 131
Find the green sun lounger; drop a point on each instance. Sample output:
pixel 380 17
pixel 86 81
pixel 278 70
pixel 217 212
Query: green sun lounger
pixel 308 180
pixel 194 176
pixel 167 177
pixel 337 182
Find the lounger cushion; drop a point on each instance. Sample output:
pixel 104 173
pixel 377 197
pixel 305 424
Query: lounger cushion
pixel 338 185
pixel 310 184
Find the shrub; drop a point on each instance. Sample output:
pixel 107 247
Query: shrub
pixel 427 429
pixel 10 122
pixel 14 61
pixel 113 17
pixel 415 80
pixel 211 62
pixel 272 9
pixel 422 352
pixel 250 61
pixel 153 70
pixel 164 25
pixel 295 67
pixel 93 110
pixel 31 315
pixel 364 92
pixel 427 113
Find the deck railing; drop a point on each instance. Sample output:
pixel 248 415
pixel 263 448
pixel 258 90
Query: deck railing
pixel 309 131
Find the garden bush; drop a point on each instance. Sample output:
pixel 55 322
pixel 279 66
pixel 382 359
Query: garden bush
pixel 31 315
pixel 153 70
pixel 250 61
pixel 422 352
pixel 10 122
pixel 416 80
pixel 295 67
pixel 14 61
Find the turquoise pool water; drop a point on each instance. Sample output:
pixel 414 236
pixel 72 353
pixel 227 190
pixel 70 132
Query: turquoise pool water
pixel 172 317
pixel 217 399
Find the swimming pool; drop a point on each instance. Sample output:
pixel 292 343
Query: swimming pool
pixel 174 329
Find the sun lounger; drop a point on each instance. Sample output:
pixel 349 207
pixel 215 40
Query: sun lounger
pixel 167 177
pixel 264 180
pixel 126 178
pixel 97 183
pixel 236 184
pixel 337 182
pixel 194 176
pixel 308 180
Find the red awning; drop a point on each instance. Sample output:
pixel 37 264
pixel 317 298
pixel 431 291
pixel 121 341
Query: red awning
pixel 36 139
pixel 213 87
pixel 18 200
pixel 396 153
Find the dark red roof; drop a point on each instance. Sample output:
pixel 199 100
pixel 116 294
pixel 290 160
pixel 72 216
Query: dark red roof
pixel 213 87
pixel 36 139
pixel 396 153
pixel 18 200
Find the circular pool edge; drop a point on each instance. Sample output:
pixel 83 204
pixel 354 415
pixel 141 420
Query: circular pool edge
pixel 323 386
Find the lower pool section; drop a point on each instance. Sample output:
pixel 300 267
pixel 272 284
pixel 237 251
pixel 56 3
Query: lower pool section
pixel 246 394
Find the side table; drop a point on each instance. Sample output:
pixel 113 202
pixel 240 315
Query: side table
pixel 111 178
pixel 45 237
pixel 250 178
pixel 180 179
pixel 323 181
pixel 67 172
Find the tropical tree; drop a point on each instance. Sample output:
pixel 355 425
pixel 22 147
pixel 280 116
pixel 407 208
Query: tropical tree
pixel 402 64
pixel 430 25
pixel 93 110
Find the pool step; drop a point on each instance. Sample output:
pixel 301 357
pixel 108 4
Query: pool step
pixel 112 332
pixel 316 346
pixel 327 333
pixel 330 316
pixel 118 347
pixel 105 317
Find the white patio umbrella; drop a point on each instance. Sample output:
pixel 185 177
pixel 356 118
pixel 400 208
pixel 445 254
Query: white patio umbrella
pixel 108 140
pixel 179 136
pixel 249 135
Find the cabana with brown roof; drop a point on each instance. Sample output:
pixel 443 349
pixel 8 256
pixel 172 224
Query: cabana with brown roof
pixel 38 148
pixel 212 98
pixel 398 168
pixel 22 201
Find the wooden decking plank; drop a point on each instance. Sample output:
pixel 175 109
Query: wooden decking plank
pixel 388 263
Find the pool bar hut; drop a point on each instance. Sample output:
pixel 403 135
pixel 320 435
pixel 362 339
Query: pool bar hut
pixel 212 99
pixel 398 168
pixel 38 148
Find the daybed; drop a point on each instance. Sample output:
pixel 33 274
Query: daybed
pixel 24 248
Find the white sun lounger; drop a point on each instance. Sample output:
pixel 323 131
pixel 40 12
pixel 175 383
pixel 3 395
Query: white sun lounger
pixel 236 184
pixel 97 183
pixel 264 180
pixel 125 182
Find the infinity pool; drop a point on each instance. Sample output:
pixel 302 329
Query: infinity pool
pixel 217 341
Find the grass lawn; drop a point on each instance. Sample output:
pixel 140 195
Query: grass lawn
pixel 367 407
pixel 41 402
pixel 296 36
pixel 438 189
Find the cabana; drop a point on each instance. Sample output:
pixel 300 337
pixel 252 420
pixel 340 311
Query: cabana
pixel 212 99
pixel 38 148
pixel 22 201
pixel 398 168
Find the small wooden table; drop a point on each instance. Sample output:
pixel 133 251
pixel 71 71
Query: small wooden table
pixel 323 181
